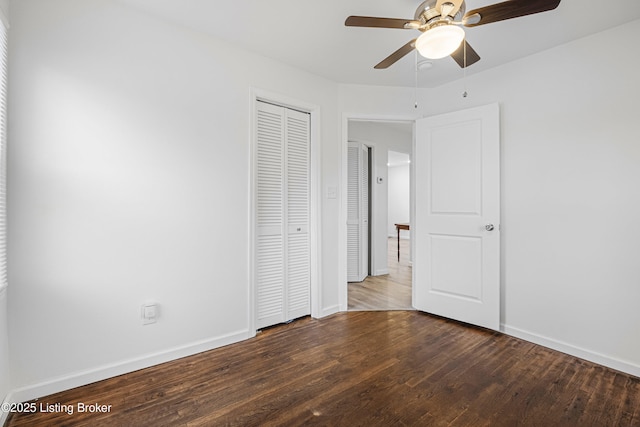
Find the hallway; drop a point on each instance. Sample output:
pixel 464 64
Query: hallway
pixel 388 292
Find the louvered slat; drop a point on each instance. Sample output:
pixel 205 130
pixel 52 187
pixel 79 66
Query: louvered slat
pixel 297 168
pixel 353 183
pixel 298 276
pixel 270 290
pixel 270 160
pixel 364 182
pixel 353 251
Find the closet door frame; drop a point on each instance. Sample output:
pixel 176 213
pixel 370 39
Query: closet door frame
pixel 315 205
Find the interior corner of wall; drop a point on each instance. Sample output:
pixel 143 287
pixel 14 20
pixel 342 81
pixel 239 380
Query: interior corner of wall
pixel 4 12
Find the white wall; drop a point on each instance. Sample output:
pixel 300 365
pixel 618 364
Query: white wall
pixel 5 384
pixel 382 138
pixel 129 181
pixel 399 199
pixel 570 193
pixel 4 8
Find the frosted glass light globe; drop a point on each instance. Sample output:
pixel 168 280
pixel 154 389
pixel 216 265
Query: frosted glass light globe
pixel 440 41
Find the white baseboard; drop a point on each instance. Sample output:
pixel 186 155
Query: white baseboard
pixel 382 272
pixel 328 311
pixel 89 376
pixel 601 359
pixel 395 236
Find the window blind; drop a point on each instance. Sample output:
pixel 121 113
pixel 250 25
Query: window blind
pixel 3 154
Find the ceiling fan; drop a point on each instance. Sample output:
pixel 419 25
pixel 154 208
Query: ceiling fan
pixel 441 22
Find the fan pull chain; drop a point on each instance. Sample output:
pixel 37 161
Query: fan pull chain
pixel 415 94
pixel 464 69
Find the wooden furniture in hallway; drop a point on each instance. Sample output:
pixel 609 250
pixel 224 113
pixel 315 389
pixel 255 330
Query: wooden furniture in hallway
pixel 401 226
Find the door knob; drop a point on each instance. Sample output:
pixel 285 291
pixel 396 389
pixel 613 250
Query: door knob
pixel 488 227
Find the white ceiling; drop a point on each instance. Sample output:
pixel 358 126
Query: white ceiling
pixel 311 35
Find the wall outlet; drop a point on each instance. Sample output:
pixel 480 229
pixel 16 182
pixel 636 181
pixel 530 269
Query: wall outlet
pixel 149 313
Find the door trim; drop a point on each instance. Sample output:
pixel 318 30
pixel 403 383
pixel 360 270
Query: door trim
pixel 342 249
pixel 315 212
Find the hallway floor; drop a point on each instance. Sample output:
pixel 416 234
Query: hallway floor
pixel 387 292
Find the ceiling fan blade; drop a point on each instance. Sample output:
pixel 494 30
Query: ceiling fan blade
pixel 507 10
pixel 455 4
pixel 465 49
pixel 395 56
pixel 372 22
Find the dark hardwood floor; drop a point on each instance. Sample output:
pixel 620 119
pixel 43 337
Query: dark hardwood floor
pixel 364 368
pixel 387 292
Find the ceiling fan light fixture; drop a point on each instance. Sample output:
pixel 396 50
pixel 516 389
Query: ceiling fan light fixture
pixel 440 41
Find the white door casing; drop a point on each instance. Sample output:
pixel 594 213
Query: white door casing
pixel 456 269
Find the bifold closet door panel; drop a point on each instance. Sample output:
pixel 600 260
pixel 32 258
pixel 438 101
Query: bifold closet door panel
pixel 270 273
pixel 298 214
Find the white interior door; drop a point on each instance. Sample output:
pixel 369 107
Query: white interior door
pixel 357 212
pixel 456 269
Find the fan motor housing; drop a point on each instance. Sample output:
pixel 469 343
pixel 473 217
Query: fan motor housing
pixel 426 12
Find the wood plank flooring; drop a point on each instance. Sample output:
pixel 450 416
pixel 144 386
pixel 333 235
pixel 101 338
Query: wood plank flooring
pixel 364 368
pixel 388 292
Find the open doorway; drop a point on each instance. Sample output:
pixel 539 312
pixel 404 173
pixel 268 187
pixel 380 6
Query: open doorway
pixel 388 283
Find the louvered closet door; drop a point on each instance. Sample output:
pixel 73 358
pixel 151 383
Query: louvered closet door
pixel 282 219
pixel 353 213
pixel 357 212
pixel 297 213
